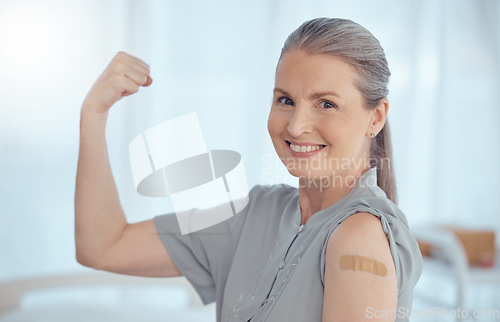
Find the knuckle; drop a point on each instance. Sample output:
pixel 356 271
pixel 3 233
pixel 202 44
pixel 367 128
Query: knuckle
pixel 117 81
pixel 133 90
pixel 119 58
pixel 118 66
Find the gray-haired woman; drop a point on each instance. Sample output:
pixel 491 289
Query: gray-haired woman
pixel 335 249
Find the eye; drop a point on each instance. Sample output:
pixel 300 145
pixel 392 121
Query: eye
pixel 285 100
pixel 327 104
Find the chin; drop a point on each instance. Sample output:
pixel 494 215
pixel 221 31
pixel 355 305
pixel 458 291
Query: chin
pixel 308 175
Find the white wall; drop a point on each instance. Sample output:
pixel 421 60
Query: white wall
pixel 217 59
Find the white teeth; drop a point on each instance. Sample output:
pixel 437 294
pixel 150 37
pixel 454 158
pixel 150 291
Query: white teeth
pixel 304 148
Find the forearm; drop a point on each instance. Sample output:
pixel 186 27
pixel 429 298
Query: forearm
pixel 99 217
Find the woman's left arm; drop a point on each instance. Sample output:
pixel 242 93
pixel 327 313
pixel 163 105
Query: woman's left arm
pixel 360 277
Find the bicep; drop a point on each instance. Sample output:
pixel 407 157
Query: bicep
pixel 139 251
pixel 360 277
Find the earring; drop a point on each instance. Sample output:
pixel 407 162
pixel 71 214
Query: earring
pixel 373 135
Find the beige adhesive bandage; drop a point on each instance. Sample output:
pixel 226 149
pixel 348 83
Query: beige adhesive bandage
pixel 360 263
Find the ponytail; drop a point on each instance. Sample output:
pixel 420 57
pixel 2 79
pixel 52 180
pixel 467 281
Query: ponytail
pixel 381 157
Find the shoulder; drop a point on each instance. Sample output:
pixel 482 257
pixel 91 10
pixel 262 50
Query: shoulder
pixel 361 233
pixel 359 269
pixel 373 223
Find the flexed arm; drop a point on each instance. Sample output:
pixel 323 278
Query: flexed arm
pixel 103 238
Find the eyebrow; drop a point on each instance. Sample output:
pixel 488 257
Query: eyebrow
pixel 312 97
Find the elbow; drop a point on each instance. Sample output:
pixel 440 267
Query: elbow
pixel 84 260
pixel 87 262
pixel 89 259
pixel 80 255
pixel 85 254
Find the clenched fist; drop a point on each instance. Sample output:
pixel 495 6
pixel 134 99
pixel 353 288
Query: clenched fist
pixel 123 76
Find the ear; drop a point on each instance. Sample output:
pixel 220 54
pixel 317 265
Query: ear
pixel 378 117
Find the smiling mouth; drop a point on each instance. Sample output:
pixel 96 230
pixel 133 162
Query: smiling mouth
pixel 304 148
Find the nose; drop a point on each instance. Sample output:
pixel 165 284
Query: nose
pixel 300 123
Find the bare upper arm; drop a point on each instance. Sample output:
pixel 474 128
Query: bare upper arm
pixel 139 251
pixel 355 290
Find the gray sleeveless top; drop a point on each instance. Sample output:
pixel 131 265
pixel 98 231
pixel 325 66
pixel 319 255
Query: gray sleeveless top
pixel 261 265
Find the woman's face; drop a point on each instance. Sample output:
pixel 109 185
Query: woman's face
pixel 318 124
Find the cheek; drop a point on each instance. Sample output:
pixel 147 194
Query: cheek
pixel 333 130
pixel 349 138
pixel 341 138
pixel 275 124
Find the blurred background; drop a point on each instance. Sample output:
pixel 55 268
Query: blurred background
pixel 217 58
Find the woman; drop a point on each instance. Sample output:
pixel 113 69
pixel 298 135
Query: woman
pixel 335 249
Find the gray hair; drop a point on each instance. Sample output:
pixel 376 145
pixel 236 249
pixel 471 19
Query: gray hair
pixel 347 39
pixel 353 42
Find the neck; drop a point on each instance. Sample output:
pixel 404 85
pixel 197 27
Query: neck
pixel 316 195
